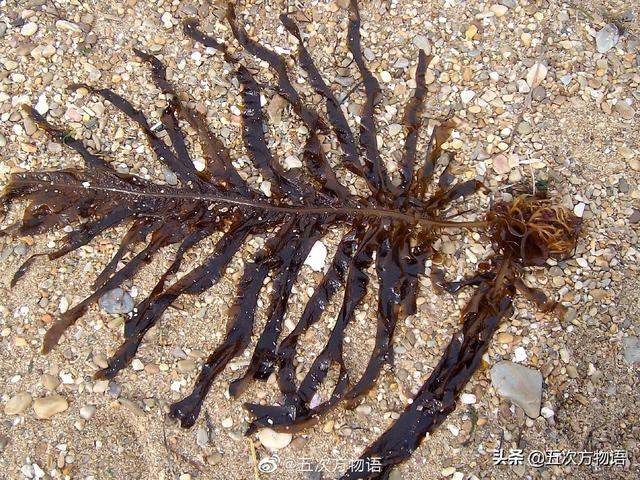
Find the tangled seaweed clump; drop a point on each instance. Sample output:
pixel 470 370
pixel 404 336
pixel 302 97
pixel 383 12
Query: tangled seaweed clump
pixel 392 228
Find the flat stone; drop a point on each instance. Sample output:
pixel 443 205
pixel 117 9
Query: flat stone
pixel 467 95
pixel 18 403
pixel 631 347
pixel 536 74
pixel 87 412
pixel 116 301
pixel 29 29
pixel 317 256
pixel 423 43
pixel 47 407
pixel 521 385
pixel 607 38
pixel 273 440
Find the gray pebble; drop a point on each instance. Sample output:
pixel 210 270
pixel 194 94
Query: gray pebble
pixel 631 349
pixel 116 301
pixel 114 389
pixel 521 385
pixel 607 38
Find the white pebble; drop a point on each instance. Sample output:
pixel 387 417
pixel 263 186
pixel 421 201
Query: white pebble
pixel 273 440
pixel 579 209
pixel 87 411
pixel 29 29
pixel 468 398
pixel 467 95
pixel 137 365
pixel 317 256
pixel 520 354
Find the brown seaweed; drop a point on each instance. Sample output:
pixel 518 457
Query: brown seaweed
pixel 392 229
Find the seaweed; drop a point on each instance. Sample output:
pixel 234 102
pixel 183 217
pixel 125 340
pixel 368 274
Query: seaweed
pixel 392 229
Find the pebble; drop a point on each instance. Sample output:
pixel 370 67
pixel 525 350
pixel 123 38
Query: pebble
pixel 48 51
pixel 467 95
pixel 468 398
pixel 18 403
pixel 187 365
pixel 364 409
pixel 625 110
pixel 578 210
pixel 273 440
pixel 227 422
pixel 50 382
pixel 28 29
pixel 292 162
pixel 87 412
pixel 47 407
pixel 42 106
pixel 501 164
pixel 499 10
pixel 137 365
pixel 202 437
pixel 116 301
pixel 607 38
pixel 521 385
pixel 536 74
pixel 317 256
pixel 422 42
pixel 631 347
pixel 67 26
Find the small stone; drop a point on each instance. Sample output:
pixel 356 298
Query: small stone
pixel 227 422
pixel 364 409
pixel 468 398
pixel 202 437
pixel 265 187
pixel 137 365
pixel 504 337
pixel 625 110
pixel 67 26
pixel 499 10
pixel 471 32
pixel 521 385
pixel 187 365
pixel 536 74
pixel 395 129
pixel 422 42
pixel 18 403
pixel 169 176
pixel 467 95
pixel 607 38
pixel 50 382
pixel 520 354
pixel 48 51
pixel 273 440
pixel 501 164
pixel 42 106
pixel 116 301
pixel 578 210
pixel 631 347
pixel 292 162
pixel 448 471
pixel 87 412
pixel 385 76
pixel 47 407
pixel 317 256
pixel 546 412
pixel 28 29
